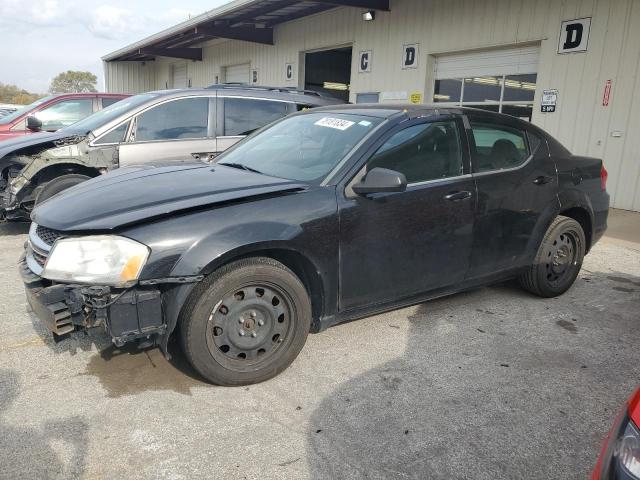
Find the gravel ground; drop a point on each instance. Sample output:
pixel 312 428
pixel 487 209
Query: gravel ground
pixel 492 383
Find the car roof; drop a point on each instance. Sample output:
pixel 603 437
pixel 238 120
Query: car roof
pixel 413 111
pixel 288 94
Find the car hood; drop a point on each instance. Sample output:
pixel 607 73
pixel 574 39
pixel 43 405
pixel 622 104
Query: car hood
pixel 132 195
pixel 45 139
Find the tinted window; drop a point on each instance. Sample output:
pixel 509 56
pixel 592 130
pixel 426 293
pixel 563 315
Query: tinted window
pixel 184 118
pixel 422 152
pixel 106 101
pixel 303 147
pixel 498 147
pixel 114 136
pixel 242 115
pixel 65 113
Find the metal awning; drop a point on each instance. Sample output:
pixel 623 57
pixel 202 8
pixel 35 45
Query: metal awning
pixel 247 20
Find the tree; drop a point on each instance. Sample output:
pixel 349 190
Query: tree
pixel 15 95
pixel 74 82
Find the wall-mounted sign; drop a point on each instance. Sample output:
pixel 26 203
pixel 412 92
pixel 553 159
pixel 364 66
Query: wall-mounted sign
pixel 365 60
pixel 393 96
pixel 574 35
pixel 606 96
pixel 410 55
pixel 254 76
pixel 416 97
pixel 288 71
pixel 549 101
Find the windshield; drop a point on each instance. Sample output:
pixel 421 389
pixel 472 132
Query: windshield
pixel 302 147
pixel 22 110
pixel 104 116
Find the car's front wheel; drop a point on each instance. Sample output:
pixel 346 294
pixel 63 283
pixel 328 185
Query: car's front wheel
pixel 558 260
pixel 246 322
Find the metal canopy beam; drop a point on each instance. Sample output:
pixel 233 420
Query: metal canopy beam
pixel 370 4
pixel 248 34
pixel 259 12
pixel 188 53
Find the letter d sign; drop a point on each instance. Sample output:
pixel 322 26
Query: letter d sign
pixel 574 35
pixel 410 56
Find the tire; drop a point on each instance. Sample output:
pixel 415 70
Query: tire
pixel 558 261
pixel 59 184
pixel 246 322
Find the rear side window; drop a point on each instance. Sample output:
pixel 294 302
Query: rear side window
pixel 423 152
pixel 177 119
pixel 498 147
pixel 106 101
pixel 244 115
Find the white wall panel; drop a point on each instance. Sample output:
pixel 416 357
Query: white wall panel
pixel 454 26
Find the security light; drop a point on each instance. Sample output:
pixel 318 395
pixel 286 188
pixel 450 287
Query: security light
pixel 369 16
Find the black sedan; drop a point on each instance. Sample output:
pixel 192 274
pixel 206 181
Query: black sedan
pixel 325 216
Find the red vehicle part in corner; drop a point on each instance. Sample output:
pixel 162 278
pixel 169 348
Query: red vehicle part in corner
pixel 631 411
pixel 55 112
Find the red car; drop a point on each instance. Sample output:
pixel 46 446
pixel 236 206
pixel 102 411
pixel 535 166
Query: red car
pixel 620 455
pixel 54 112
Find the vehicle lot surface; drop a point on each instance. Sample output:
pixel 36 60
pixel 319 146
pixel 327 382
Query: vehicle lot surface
pixel 492 383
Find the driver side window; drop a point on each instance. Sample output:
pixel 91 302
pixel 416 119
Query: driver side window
pixel 423 152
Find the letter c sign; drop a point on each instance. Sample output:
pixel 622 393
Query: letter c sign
pixel 364 65
pixel 288 71
pixel 574 35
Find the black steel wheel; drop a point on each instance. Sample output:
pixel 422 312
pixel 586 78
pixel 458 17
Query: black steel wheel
pixel 558 260
pixel 246 322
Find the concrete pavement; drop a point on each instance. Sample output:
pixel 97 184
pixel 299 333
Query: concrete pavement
pixel 492 383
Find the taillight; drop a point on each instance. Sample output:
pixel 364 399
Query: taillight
pixel 603 178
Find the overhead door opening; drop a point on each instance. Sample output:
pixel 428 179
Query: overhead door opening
pixel 329 72
pixel 179 75
pixel 502 80
pixel 238 73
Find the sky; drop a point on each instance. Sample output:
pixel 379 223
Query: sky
pixel 41 38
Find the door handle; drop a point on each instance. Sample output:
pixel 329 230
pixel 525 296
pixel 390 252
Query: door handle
pixel 458 196
pixel 542 179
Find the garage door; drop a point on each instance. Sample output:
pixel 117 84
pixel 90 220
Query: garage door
pixel 238 73
pixel 498 80
pixel 179 76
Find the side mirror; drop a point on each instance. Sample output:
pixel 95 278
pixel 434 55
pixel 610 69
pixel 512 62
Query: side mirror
pixel 34 123
pixel 380 180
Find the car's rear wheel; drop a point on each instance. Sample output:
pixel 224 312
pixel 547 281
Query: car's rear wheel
pixel 558 260
pixel 58 184
pixel 246 322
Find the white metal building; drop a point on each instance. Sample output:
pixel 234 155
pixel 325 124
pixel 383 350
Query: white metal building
pixel 570 66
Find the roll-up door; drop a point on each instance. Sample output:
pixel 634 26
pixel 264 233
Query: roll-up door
pixel 238 73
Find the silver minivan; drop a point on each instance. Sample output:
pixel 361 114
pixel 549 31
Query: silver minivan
pixel 155 127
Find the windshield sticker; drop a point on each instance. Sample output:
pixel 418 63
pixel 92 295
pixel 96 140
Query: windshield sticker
pixel 336 123
pixel 364 123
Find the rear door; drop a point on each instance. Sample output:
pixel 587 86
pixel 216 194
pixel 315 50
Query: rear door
pixel 240 116
pixel 517 187
pixel 179 129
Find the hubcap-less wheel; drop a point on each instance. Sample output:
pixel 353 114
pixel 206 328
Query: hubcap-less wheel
pixel 249 325
pixel 562 258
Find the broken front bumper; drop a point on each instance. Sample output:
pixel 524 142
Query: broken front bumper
pixel 126 315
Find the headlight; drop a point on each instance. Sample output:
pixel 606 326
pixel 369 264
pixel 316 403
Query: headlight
pixel 101 259
pixel 627 450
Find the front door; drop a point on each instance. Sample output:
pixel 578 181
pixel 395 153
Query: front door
pixel 517 188
pixel 395 245
pixel 177 130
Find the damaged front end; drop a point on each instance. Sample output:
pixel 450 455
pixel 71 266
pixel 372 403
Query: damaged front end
pixel 25 170
pixel 136 313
